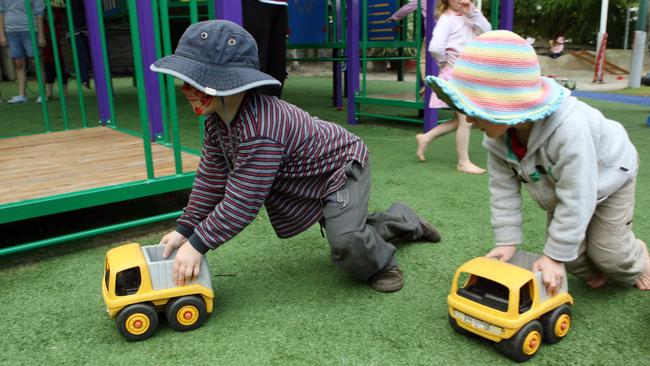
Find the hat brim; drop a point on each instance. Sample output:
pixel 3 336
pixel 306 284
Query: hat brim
pixel 456 100
pixel 216 80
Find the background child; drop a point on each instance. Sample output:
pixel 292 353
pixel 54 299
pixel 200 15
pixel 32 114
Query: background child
pixel 458 22
pixel 261 151
pixel 579 166
pixel 400 14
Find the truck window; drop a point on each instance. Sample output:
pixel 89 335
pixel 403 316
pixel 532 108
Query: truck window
pixel 485 292
pixel 107 275
pixel 525 297
pixel 127 282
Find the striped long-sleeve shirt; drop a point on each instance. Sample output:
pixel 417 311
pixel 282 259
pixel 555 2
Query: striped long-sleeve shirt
pixel 280 157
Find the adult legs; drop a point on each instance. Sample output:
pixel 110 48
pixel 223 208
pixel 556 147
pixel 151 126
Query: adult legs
pixel 21 75
pixel 259 19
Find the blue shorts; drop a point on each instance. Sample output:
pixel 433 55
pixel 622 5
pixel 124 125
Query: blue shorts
pixel 20 44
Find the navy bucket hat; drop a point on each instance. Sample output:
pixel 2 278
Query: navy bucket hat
pixel 217 57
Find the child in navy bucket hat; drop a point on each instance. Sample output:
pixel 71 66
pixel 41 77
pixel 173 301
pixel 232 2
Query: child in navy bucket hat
pixel 262 151
pixel 579 166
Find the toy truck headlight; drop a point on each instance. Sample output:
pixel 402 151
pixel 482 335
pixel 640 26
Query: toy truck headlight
pixel 478 324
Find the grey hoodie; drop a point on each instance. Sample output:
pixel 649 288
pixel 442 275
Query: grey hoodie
pixel 576 158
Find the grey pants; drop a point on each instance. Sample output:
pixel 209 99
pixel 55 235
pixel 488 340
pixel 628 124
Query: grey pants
pixel 358 241
pixel 610 247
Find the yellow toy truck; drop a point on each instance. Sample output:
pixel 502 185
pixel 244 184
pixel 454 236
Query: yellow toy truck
pixel 138 284
pixel 508 304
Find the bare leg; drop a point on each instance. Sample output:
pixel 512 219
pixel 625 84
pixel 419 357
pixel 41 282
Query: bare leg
pixel 21 75
pixel 643 282
pixel 49 89
pixel 462 147
pixel 424 139
pixel 598 281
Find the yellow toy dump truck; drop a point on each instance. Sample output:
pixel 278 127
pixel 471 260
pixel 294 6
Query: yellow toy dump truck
pixel 138 284
pixel 508 304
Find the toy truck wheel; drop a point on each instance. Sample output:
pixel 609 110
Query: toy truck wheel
pixel 557 324
pixel 186 313
pixel 137 322
pixel 524 344
pixel 454 324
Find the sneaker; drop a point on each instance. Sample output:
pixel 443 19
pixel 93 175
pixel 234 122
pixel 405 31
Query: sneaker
pixel 38 100
pixel 17 99
pixel 388 280
pixel 429 232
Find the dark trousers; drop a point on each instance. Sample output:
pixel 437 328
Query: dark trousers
pixel 81 40
pixel 268 25
pixel 359 242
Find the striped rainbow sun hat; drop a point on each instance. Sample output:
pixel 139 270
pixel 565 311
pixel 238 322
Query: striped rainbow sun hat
pixel 497 78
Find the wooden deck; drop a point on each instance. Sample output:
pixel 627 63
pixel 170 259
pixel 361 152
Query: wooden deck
pixel 44 165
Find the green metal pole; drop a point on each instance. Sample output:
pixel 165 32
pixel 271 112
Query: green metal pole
pixel 194 12
pixel 642 16
pixel 87 233
pixel 364 43
pixel 494 13
pixel 161 79
pixel 57 64
pixel 75 59
pixel 37 64
pixel 194 17
pixel 211 13
pixel 107 68
pixel 139 75
pixel 171 90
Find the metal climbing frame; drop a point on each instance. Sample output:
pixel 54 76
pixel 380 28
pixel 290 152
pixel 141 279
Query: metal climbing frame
pixel 359 12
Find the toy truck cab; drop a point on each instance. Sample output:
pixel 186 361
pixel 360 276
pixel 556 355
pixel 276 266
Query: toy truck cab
pixel 138 283
pixel 508 304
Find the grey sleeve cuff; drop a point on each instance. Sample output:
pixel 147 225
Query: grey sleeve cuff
pixel 561 252
pixel 198 244
pixel 185 230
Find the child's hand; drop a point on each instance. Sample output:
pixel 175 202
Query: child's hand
pixel 465 6
pixel 172 241
pixel 186 264
pixel 552 273
pixel 502 252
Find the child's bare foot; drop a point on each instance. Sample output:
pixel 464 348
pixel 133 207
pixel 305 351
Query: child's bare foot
pixel 470 168
pixel 597 282
pixel 643 282
pixel 422 145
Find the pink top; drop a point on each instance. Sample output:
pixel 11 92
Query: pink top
pixel 408 9
pixel 453 31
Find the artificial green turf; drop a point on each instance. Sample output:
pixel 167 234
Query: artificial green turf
pixel 283 302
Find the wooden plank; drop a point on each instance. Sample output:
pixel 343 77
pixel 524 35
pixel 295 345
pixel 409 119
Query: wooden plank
pixel 44 165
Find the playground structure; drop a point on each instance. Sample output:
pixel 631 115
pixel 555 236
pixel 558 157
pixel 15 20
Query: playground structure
pixel 75 168
pixel 81 176
pixel 358 41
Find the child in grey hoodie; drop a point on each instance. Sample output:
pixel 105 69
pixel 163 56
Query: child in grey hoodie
pixel 579 166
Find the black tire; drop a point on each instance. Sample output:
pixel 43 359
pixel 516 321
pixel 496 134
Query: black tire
pixel 137 322
pixel 186 313
pixel 519 346
pixel 556 324
pixel 454 325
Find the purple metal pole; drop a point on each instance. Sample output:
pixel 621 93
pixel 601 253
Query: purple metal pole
pixel 507 14
pixel 352 71
pixel 338 82
pixel 151 85
pixel 230 10
pixel 96 56
pixel 430 68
